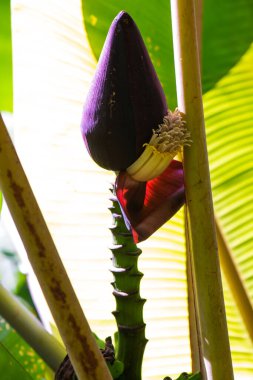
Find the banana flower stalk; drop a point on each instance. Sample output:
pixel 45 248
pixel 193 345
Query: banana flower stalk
pixel 127 128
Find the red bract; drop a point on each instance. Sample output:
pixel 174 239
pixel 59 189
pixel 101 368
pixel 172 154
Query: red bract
pixel 148 205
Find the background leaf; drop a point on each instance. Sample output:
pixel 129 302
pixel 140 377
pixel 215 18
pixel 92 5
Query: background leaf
pixel 20 353
pixel 12 344
pixel 12 369
pixel 227 35
pixel 229 112
pixel 13 279
pixel 6 92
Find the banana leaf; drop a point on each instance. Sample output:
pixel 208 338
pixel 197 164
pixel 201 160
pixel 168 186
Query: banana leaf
pixel 6 91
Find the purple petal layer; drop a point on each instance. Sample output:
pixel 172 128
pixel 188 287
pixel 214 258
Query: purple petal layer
pixel 126 100
pixel 147 206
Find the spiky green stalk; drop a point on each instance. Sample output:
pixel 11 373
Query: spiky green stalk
pixel 129 304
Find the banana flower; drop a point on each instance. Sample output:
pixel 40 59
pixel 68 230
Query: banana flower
pixel 127 128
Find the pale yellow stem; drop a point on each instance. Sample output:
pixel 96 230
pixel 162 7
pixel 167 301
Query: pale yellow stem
pixel 194 327
pixel 192 307
pixel 199 19
pixel 216 361
pixel 66 310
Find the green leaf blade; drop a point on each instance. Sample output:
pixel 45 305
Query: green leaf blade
pixel 228 110
pixel 227 34
pixel 22 354
pixel 6 91
pixel 12 369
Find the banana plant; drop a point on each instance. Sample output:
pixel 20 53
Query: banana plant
pixel 51 81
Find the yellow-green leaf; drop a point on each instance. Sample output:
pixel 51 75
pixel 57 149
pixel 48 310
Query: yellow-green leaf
pixel 6 93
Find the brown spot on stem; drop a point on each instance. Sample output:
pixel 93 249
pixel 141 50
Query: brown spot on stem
pixel 57 291
pixel 89 363
pixel 17 190
pixel 39 243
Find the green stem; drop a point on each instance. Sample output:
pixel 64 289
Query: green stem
pixel 30 328
pixel 129 304
pixel 214 344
